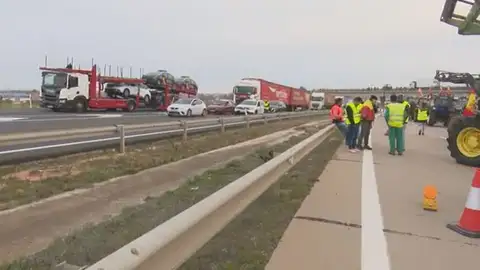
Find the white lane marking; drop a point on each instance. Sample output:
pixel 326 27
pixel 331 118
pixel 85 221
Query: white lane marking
pixel 107 115
pixel 23 120
pixel 9 119
pixel 374 244
pixel 89 117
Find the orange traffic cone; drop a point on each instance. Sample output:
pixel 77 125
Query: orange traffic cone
pixel 469 224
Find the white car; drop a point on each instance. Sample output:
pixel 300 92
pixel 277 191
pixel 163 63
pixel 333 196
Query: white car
pixel 126 90
pixel 187 107
pixel 250 106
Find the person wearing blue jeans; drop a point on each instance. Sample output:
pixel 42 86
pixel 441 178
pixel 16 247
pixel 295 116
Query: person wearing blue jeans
pixel 353 119
pixel 342 127
pixel 352 136
pixel 337 116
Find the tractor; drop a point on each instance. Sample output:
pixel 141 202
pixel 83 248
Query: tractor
pixel 441 109
pixel 464 131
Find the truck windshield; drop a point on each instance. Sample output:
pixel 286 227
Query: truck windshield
pixel 244 90
pixel 54 79
pixel 317 98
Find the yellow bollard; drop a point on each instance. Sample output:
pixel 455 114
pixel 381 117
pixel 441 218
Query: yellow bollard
pixel 430 198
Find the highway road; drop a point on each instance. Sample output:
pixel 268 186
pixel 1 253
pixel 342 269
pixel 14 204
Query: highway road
pixel 22 148
pixel 36 120
pixel 29 150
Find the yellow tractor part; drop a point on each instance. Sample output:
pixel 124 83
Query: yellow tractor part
pixel 468 142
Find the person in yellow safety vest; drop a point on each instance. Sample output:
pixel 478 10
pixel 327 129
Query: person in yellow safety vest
pixel 359 108
pixel 353 118
pixel 405 103
pixel 422 117
pixel 395 117
pixel 266 105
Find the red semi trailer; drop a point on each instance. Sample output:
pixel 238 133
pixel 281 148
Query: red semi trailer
pixel 253 88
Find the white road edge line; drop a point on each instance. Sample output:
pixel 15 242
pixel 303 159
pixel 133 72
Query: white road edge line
pixel 374 250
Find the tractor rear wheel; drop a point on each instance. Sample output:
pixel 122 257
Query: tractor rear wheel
pixel 464 140
pixel 432 119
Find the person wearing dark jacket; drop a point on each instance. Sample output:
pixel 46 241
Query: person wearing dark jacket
pixel 367 115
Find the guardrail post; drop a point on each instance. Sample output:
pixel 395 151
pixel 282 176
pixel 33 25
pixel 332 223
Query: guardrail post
pixel 121 131
pixel 222 124
pixel 247 121
pixel 185 130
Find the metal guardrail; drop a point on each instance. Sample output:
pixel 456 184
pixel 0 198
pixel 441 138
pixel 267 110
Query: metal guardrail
pixel 171 124
pixel 173 242
pixel 110 136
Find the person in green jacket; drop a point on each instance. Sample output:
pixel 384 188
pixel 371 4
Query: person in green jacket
pixel 395 117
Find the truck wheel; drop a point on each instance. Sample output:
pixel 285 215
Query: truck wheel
pixel 80 106
pixel 204 112
pixel 131 106
pixel 147 100
pixel 126 93
pixel 463 140
pixel 189 113
pixel 256 112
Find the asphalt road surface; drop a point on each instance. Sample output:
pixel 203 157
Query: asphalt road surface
pixel 36 120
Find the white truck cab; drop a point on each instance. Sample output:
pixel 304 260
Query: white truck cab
pixel 246 89
pixel 64 90
pixel 317 100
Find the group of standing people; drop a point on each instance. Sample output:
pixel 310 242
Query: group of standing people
pixel 356 121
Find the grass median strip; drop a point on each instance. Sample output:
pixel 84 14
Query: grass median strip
pixel 32 181
pixel 92 243
pixel 250 239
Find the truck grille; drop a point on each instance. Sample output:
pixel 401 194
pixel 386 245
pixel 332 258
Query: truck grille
pixel 50 99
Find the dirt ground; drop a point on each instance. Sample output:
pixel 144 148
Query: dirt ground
pixel 33 181
pixel 92 243
pixel 250 239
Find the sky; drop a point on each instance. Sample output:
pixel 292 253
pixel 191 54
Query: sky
pixel 310 43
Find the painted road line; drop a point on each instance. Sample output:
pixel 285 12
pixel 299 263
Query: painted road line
pixel 374 252
pixel 54 119
pixel 9 119
pixel 83 117
pixel 107 115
